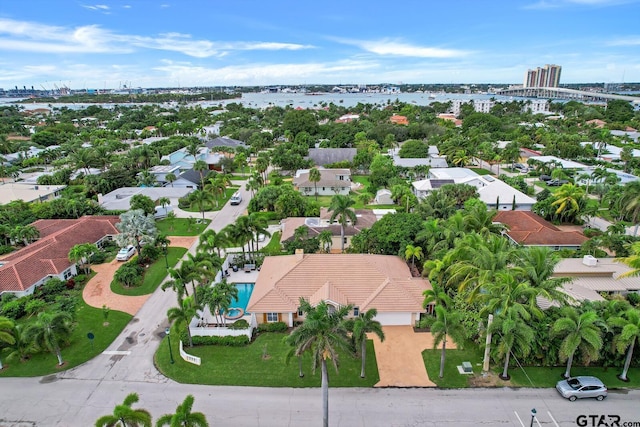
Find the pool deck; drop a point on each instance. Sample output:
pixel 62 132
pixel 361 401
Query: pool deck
pixel 242 276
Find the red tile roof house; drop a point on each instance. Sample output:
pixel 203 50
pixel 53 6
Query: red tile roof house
pixel 366 281
pixel 23 271
pixel 528 229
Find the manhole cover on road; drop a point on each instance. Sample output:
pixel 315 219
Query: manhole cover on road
pixel 142 334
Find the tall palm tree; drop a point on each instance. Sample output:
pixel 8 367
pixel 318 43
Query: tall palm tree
pixel 258 225
pixel 125 416
pixel 413 252
pixel 49 331
pixel 183 416
pixel 448 323
pixel 579 332
pixel 340 208
pixel 315 177
pixel 515 335
pixel 211 240
pixel 201 166
pixel 629 335
pixel 322 333
pixel 182 315
pixel 6 333
pixel 170 178
pixel 360 326
pixel 201 199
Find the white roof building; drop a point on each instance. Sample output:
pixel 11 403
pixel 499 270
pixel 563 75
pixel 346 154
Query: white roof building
pixel 493 192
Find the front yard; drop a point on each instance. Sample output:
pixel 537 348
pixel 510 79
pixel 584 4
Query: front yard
pixel 260 364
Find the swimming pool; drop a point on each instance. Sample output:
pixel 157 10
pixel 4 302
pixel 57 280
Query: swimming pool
pixel 244 293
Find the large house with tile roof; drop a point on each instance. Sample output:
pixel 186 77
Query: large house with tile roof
pixel 529 229
pixel 23 271
pixel 365 281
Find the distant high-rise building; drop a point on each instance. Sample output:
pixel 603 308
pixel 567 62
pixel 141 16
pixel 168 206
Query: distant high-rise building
pixel 547 76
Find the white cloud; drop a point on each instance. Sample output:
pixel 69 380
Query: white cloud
pixel 629 41
pixel 34 37
pixel 103 8
pixel 388 47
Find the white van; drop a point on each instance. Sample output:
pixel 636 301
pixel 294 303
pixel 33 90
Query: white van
pixel 236 198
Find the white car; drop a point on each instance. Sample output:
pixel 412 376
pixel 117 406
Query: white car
pixel 125 253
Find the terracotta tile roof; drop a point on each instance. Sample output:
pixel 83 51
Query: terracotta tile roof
pixel 364 280
pixel 527 228
pixel 399 120
pixel 49 255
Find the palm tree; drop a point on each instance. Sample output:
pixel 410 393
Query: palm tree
pixel 315 177
pixel 632 261
pixel 325 238
pixel 182 315
pixel 413 252
pixel 183 416
pixel 569 201
pixel 6 333
pixel 448 323
pixel 49 331
pixel 536 265
pixel 201 198
pixel 340 208
pixel 363 324
pixel 22 346
pixel 210 241
pixel 516 336
pixel 124 415
pixel 81 253
pixel 579 332
pixel 170 178
pixel 201 166
pixel 322 333
pixel 628 336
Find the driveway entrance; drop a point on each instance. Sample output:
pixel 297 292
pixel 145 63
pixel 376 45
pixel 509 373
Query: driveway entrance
pixel 399 357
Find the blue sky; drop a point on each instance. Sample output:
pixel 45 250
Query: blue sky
pixel 146 43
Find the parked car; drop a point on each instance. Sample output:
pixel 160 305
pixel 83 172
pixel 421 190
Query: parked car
pixel 557 182
pixel 545 178
pixel 581 387
pixel 236 198
pixel 521 167
pixel 125 254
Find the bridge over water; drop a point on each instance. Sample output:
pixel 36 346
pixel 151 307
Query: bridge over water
pixel 563 93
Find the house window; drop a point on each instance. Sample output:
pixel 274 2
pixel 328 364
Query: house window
pixel 67 274
pixel 300 313
pixel 272 317
pixel 356 311
pixel 323 189
pixel 345 240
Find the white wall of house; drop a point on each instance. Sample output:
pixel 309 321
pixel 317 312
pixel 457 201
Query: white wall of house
pixel 325 191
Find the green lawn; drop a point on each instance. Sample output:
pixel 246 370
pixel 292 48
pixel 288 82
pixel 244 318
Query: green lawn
pixel 548 377
pixel 81 349
pixel 246 366
pixel 208 207
pixel 452 378
pixel 180 226
pixel 154 275
pixel 482 171
pixel 273 247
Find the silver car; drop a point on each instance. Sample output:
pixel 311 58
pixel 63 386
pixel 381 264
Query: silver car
pixel 579 387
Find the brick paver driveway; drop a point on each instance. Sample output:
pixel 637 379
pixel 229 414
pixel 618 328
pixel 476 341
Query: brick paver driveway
pixel 97 292
pixel 399 357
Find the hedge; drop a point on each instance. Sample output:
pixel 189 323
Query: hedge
pixel 239 341
pixel 273 327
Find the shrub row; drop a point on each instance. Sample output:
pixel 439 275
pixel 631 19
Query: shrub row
pixel 273 327
pixel 239 341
